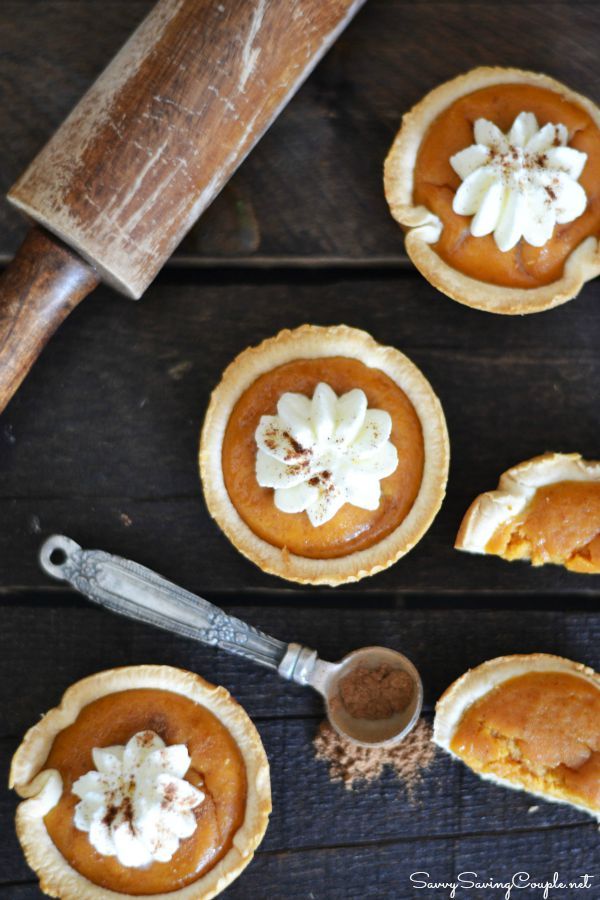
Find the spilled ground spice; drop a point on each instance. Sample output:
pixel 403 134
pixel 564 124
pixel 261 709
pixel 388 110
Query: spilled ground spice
pixel 356 766
pixel 376 693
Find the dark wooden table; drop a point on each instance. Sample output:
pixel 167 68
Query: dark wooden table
pixel 101 443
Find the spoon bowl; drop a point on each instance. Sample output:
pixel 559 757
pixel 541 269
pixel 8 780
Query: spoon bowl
pixel 373 732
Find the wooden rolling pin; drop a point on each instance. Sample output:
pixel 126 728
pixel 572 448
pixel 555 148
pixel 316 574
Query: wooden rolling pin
pixel 147 149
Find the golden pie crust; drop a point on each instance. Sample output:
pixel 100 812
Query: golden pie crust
pixel 478 682
pixel 41 788
pixel 489 512
pixel 581 265
pixel 315 342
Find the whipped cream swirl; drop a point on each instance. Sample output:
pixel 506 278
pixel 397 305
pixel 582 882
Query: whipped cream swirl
pixel 322 453
pixel 137 805
pixel 521 184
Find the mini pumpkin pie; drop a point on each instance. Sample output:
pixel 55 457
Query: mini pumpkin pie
pixel 145 781
pixel 545 510
pixel 495 177
pixel 530 723
pixel 324 455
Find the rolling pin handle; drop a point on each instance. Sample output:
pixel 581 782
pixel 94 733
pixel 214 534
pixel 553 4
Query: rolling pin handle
pixel 40 287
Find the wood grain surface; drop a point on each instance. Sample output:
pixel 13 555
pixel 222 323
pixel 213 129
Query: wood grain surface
pixel 319 827
pixel 101 441
pixel 160 132
pixel 101 444
pixel 311 191
pixel 148 148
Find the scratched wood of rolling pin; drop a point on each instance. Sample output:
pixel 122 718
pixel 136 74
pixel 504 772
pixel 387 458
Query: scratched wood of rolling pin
pixel 164 127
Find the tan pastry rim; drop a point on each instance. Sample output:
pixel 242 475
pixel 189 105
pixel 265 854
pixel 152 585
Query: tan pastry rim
pixel 516 487
pixel 582 264
pixel 477 682
pixel 41 788
pixel 317 342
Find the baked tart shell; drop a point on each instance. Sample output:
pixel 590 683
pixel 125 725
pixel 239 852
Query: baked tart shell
pixel 478 682
pixel 491 510
pixel 316 342
pixel 582 264
pixel 41 788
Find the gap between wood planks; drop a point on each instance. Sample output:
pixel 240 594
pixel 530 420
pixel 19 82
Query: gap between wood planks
pixel 587 601
pixel 430 838
pixel 183 262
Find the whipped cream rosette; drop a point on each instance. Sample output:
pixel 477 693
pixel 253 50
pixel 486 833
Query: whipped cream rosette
pixel 520 184
pixel 137 805
pixel 323 452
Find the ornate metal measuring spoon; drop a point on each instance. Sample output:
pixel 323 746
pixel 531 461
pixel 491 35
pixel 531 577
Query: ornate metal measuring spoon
pixel 134 591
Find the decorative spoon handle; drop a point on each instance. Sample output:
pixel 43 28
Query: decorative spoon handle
pixel 134 591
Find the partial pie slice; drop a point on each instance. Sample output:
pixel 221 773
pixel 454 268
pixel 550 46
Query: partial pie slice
pixel 495 178
pixel 545 510
pixel 529 723
pixel 324 455
pixel 145 781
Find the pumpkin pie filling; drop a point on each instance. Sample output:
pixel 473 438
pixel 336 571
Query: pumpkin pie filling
pixel 217 769
pixel 436 183
pixel 540 730
pixel 351 528
pixel 561 524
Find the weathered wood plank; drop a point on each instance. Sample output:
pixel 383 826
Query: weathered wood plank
pixel 101 441
pixel 312 190
pixel 449 801
pixel 376 872
pixel 63 642
pixel 383 870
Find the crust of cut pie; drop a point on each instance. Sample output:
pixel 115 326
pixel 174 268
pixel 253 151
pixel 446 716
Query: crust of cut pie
pixel 477 682
pixel 316 342
pixel 515 490
pixel 42 788
pixel 420 224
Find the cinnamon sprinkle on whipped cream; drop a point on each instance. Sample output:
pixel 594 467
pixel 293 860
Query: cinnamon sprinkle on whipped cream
pixel 320 453
pixel 136 805
pixel 520 184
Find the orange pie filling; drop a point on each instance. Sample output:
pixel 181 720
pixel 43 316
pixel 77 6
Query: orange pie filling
pixel 560 525
pixel 217 770
pixel 436 183
pixel 540 731
pixel 306 528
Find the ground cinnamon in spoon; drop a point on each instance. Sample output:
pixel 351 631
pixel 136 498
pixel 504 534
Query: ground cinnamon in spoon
pixel 352 764
pixel 376 693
